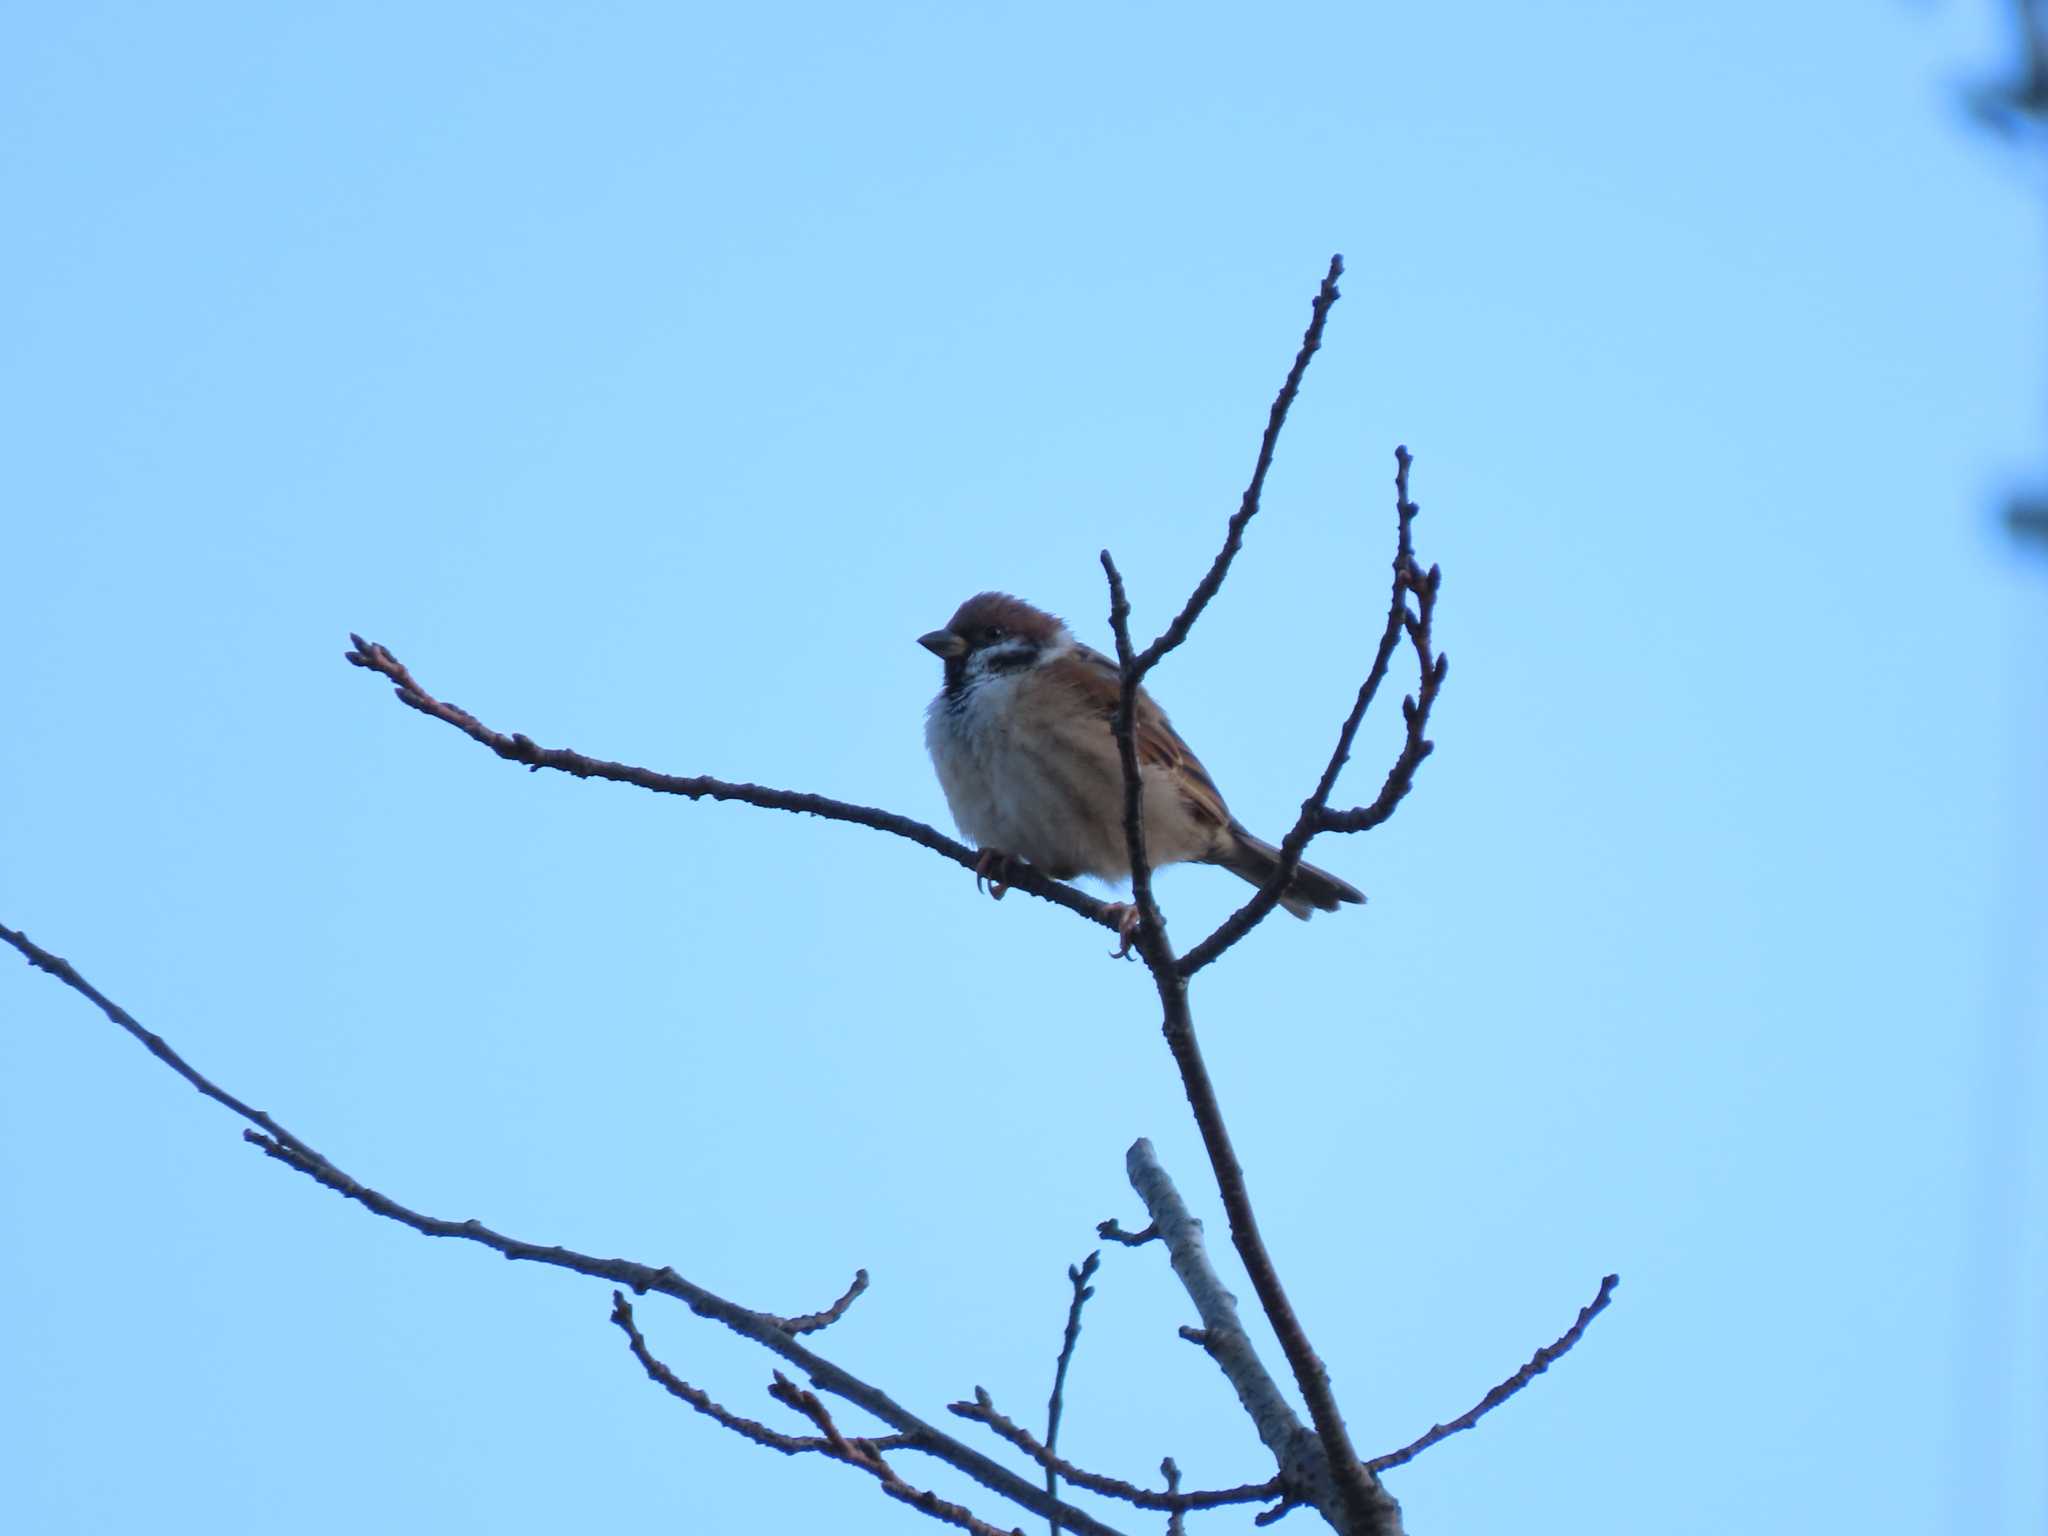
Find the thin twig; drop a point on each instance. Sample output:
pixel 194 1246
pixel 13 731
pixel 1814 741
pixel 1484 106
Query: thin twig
pixel 1408 578
pixel 1248 507
pixel 811 1322
pixel 1277 1513
pixel 1431 666
pixel 1176 1523
pixel 1078 1277
pixel 866 1456
pixel 763 1328
pixel 1133 666
pixel 517 748
pixel 1110 1231
pixel 1538 1363
pixel 984 1411
pixel 156 1045
pixel 1151 940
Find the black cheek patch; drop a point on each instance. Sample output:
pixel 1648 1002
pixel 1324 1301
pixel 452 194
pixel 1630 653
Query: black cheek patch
pixel 1012 659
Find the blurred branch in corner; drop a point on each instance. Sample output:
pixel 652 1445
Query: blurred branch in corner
pixel 2027 517
pixel 2014 105
pixel 2018 103
pixel 2002 1401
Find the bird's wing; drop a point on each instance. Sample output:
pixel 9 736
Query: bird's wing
pixel 1158 743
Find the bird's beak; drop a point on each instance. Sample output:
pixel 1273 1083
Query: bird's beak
pixel 943 642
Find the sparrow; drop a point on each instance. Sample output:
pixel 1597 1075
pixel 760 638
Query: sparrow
pixel 1021 735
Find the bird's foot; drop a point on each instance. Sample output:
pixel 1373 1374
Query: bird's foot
pixel 991 870
pixel 1126 915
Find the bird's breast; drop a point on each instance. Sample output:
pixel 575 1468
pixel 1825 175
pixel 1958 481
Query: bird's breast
pixel 1027 777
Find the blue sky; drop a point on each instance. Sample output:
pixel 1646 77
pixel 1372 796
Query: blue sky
pixel 648 378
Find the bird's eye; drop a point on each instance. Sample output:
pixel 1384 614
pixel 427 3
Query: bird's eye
pixel 992 634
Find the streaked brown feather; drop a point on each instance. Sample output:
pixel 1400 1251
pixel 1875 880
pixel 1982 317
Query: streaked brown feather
pixel 1159 746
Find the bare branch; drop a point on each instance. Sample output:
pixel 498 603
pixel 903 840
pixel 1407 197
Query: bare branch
pixel 984 1411
pixel 1248 507
pixel 811 1322
pixel 517 748
pixel 1314 817
pixel 763 1328
pixel 866 1455
pixel 1078 1277
pixel 1301 1459
pixel 1538 1363
pixel 1320 1467
pixel 1365 1506
pixel 1356 1503
pixel 1351 1498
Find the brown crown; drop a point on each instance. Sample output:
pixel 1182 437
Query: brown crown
pixel 1012 614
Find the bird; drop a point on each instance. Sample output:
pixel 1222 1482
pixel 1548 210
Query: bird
pixel 1021 736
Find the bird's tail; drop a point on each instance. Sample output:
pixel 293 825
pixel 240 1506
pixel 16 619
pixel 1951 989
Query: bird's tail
pixel 1311 889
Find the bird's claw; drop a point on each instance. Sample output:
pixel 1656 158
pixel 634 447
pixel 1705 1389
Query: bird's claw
pixel 1127 920
pixel 989 872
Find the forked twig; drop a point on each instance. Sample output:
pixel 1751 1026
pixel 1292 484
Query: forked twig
pixel 866 1455
pixel 704 1403
pixel 1409 578
pixel 1176 1523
